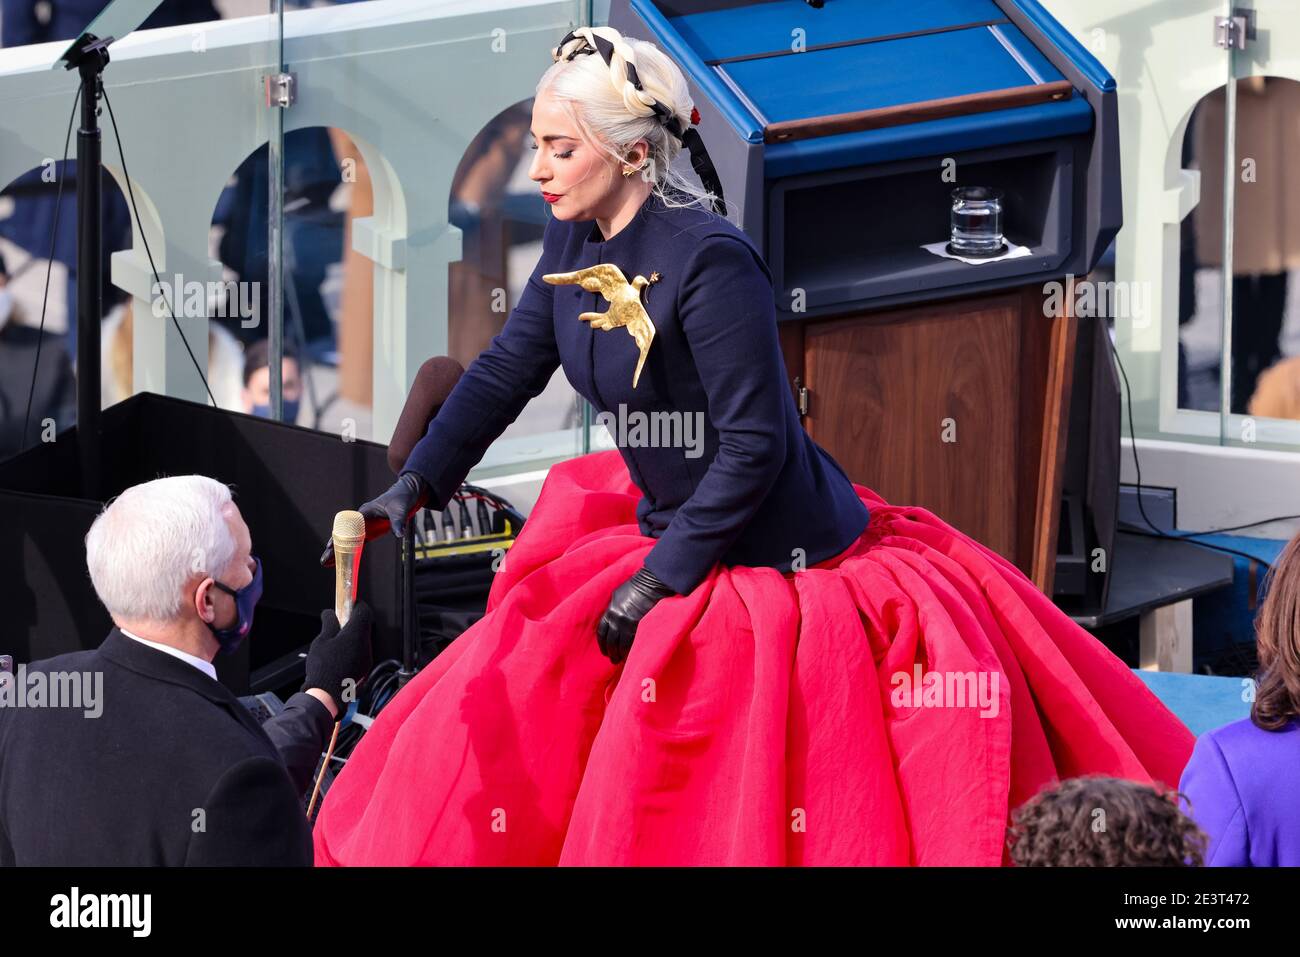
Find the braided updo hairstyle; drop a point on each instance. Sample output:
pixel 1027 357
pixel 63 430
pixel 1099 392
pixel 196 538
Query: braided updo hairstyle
pixel 612 113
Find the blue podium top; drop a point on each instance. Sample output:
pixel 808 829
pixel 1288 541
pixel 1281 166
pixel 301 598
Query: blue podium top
pixel 767 25
pixel 875 81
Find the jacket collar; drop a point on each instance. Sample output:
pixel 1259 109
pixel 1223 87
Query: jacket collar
pixel 152 663
pixel 593 240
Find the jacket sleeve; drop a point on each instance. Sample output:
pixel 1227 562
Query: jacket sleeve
pixel 728 314
pixel 252 818
pixel 1212 801
pixel 515 367
pixel 300 733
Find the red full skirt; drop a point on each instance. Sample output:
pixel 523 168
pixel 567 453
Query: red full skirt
pixel 763 719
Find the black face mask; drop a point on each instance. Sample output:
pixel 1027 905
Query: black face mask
pixel 245 600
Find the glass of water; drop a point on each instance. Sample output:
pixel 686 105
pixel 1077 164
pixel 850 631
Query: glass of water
pixel 976 221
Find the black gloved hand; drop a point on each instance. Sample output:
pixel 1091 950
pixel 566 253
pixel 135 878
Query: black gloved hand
pixel 403 499
pixel 630 602
pixel 340 655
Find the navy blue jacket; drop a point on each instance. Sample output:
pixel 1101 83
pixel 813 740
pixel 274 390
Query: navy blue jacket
pixel 121 788
pixel 762 493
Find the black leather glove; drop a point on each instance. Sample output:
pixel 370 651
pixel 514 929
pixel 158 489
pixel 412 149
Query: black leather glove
pixel 630 602
pixel 340 654
pixel 390 510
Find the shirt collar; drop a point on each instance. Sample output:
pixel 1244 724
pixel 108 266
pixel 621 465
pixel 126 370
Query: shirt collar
pixel 205 666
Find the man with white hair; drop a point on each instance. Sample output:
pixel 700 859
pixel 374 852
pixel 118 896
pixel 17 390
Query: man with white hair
pixel 170 768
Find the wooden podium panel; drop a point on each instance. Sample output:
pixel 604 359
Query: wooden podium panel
pixel 914 400
pixel 956 406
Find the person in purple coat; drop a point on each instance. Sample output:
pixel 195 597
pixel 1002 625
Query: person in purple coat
pixel 1241 783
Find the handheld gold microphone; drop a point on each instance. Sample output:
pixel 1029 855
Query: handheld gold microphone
pixel 349 535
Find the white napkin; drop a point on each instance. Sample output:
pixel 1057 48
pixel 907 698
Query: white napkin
pixel 1013 252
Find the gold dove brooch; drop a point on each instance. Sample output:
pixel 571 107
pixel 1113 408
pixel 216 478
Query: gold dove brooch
pixel 624 300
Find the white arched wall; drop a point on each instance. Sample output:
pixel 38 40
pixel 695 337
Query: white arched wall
pixel 1165 61
pixel 412 83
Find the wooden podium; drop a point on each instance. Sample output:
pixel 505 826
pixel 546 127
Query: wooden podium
pixel 959 406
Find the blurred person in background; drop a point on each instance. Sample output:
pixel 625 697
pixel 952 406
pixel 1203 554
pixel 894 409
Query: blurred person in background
pixel 1266 217
pixel 54 398
pixel 24 22
pixel 313 237
pixel 117 357
pixel 257 382
pixel 1277 394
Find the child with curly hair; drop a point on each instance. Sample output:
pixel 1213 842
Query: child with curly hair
pixel 1104 822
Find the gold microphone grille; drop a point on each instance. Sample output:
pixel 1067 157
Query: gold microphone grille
pixel 350 525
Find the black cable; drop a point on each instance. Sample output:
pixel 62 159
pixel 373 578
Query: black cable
pixel 1137 468
pixel 145 239
pixel 49 266
pixel 382 666
pixel 502 505
pixel 1134 530
pixel 1132 434
pixel 1237 528
pixel 376 684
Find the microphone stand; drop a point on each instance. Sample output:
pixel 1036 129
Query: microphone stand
pixel 410 619
pixel 89 56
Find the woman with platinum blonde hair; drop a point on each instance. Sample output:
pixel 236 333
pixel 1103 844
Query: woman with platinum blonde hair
pixel 634 114
pixel 817 677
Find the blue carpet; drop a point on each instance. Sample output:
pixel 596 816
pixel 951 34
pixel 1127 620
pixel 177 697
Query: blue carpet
pixel 1202 702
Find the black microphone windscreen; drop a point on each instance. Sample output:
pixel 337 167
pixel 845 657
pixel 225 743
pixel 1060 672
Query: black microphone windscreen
pixel 433 383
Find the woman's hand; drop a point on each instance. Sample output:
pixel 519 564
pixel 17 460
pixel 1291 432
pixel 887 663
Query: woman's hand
pixel 390 510
pixel 630 602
